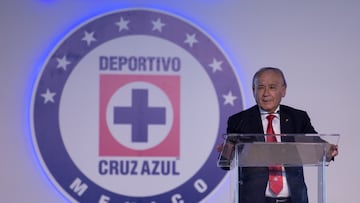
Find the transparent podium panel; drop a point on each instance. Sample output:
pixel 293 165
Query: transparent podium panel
pixel 244 152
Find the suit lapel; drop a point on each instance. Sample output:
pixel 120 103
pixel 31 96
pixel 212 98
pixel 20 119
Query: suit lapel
pixel 285 125
pixel 284 122
pixel 256 123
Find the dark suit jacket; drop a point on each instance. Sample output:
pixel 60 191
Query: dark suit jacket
pixel 254 179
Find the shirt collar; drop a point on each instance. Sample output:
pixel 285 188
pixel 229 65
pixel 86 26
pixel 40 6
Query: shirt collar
pixel 264 113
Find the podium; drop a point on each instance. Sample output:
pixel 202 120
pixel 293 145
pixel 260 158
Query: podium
pixel 294 150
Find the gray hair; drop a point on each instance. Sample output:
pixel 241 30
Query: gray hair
pixel 264 69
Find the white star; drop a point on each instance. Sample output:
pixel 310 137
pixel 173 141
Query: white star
pixel 122 24
pixel 89 37
pixel 48 96
pixel 216 65
pixel 62 62
pixel 157 25
pixel 229 98
pixel 191 39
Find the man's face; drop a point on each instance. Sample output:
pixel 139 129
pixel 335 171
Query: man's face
pixel 268 89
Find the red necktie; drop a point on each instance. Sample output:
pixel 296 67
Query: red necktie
pixel 275 172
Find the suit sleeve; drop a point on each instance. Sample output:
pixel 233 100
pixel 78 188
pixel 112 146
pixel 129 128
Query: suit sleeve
pixel 308 127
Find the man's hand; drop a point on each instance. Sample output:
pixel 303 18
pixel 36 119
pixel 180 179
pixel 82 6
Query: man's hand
pixel 220 147
pixel 332 152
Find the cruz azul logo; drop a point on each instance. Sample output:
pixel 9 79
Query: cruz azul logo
pixel 129 108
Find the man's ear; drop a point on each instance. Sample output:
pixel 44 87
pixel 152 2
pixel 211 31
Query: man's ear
pixel 253 90
pixel 283 91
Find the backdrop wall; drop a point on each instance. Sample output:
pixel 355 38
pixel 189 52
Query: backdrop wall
pixel 315 44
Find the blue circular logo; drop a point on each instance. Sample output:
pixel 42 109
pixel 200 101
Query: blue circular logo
pixel 129 108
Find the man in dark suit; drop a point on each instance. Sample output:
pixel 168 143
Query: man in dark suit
pixel 269 87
